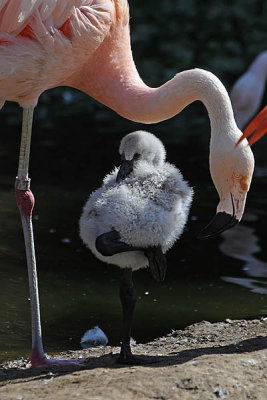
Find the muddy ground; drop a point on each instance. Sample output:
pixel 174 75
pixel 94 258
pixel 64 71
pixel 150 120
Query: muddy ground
pixel 205 361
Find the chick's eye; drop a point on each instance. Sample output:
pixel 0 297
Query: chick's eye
pixel 136 156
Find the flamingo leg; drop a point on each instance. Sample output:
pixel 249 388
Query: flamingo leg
pixel 25 202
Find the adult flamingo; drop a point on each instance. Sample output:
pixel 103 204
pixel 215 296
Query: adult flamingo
pixel 85 44
pixel 247 92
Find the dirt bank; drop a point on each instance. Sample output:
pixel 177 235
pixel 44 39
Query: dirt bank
pixel 205 361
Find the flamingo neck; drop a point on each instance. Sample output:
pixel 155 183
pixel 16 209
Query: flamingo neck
pixel 111 78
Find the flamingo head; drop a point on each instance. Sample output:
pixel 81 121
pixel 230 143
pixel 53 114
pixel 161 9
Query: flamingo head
pixel 231 170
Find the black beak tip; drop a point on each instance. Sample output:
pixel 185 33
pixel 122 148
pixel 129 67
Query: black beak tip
pixel 220 223
pixel 124 170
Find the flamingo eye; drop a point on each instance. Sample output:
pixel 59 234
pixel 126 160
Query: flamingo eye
pixel 237 175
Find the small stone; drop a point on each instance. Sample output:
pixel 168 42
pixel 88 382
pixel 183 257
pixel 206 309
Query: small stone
pixel 222 394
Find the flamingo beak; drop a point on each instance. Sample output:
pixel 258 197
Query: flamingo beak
pixel 125 169
pixel 256 128
pixel 220 223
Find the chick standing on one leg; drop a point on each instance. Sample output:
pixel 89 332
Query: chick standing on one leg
pixel 135 217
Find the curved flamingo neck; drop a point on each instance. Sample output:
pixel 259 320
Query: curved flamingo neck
pixel 150 105
pixel 111 77
pixel 134 100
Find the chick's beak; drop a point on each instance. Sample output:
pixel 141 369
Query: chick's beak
pixel 125 169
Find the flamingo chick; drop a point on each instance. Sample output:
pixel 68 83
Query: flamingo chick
pixel 135 217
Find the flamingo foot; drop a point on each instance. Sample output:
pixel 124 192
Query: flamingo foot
pixel 39 360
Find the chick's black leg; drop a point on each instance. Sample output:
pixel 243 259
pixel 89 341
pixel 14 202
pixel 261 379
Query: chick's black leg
pixel 128 300
pixel 109 244
pixel 157 263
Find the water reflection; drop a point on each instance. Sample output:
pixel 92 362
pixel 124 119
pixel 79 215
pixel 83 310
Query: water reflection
pixel 241 243
pixel 254 285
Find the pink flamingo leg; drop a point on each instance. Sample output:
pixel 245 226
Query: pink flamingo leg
pixel 25 202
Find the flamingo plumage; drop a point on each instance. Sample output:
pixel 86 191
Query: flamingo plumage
pixel 85 44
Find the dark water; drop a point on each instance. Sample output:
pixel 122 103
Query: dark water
pixel 212 280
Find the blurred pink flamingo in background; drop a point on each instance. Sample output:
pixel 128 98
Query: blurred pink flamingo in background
pixel 247 92
pixel 246 96
pixel 85 44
